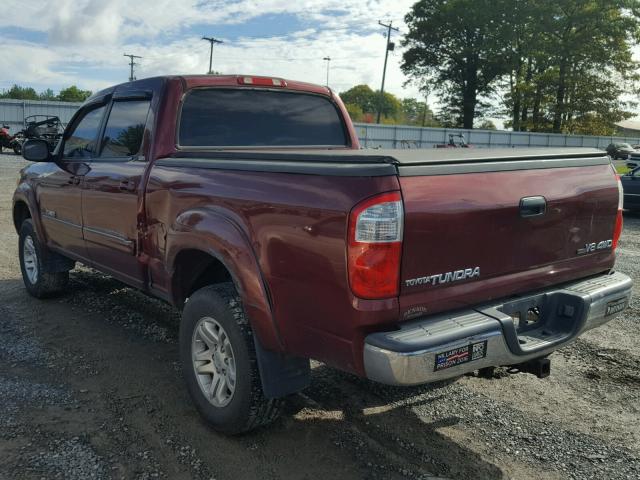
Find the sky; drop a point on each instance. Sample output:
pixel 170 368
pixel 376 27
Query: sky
pixel 53 45
pixel 56 44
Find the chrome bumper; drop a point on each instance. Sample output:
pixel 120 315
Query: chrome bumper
pixel 445 346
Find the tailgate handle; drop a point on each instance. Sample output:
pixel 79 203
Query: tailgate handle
pixel 532 206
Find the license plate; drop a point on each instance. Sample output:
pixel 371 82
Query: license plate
pixel 460 355
pixel 616 307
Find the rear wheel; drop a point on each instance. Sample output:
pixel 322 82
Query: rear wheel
pixel 37 281
pixel 219 362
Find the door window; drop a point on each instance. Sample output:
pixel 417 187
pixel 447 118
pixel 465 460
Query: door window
pixel 125 129
pixel 81 143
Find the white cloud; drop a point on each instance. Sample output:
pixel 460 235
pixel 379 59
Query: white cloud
pixel 86 40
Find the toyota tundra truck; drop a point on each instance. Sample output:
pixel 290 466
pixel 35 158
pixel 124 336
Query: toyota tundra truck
pixel 246 202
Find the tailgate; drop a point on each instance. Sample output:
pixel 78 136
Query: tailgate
pixel 469 236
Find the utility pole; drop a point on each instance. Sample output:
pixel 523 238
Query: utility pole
pixel 131 64
pixel 328 60
pixel 390 47
pixel 211 40
pixel 425 90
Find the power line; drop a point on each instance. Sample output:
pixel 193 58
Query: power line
pixel 211 41
pixel 390 46
pixel 131 64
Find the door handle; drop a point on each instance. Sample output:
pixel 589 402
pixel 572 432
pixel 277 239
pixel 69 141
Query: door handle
pixel 533 206
pixel 127 185
pixel 73 180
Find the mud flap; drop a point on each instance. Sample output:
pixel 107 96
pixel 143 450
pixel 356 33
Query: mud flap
pixel 281 374
pixel 53 262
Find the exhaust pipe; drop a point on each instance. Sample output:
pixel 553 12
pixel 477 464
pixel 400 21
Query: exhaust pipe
pixel 540 367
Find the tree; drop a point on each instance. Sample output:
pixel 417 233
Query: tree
pixel 415 112
pixel 571 63
pixel 368 100
pixel 487 125
pixel 355 112
pixel 362 96
pixel 73 94
pixel 20 93
pixel 461 44
pixel 588 34
pixel 47 95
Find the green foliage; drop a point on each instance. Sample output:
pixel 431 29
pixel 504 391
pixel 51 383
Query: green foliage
pixel 571 64
pixel 20 93
pixel 362 104
pixel 70 94
pixel 459 45
pixel 355 112
pixel 362 96
pixel 369 101
pixel 73 94
pixel 487 125
pixel 47 95
pixel 561 65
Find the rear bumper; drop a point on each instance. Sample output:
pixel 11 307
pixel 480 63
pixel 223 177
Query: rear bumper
pixel 445 346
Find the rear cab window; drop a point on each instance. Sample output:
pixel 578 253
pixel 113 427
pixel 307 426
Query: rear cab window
pixel 236 117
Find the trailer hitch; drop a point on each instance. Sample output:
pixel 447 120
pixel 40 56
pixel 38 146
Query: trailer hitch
pixel 540 367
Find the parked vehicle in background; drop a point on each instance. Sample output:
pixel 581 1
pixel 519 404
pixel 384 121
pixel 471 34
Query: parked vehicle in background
pixel 633 160
pixel 45 127
pixel 13 142
pixel 619 151
pixel 246 202
pixel 631 187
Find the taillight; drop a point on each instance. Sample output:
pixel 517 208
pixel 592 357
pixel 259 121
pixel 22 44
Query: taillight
pixel 617 230
pixel 375 246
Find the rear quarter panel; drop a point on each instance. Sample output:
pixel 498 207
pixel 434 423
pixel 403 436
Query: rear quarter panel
pixel 296 227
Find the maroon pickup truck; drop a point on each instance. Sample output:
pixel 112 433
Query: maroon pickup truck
pixel 247 202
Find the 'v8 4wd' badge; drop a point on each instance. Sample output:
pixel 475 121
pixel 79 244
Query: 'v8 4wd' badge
pixel 594 247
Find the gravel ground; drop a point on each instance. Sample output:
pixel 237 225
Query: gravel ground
pixel 90 388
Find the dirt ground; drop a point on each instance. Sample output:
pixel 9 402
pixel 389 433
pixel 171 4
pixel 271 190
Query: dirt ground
pixel 90 387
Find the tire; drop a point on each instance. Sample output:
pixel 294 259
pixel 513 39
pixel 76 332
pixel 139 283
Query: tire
pixel 38 283
pixel 213 320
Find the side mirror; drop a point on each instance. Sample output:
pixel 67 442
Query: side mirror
pixel 36 150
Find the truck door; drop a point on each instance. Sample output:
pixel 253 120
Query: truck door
pixel 111 197
pixel 59 189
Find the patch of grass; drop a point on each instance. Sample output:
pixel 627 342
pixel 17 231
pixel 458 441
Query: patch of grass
pixel 622 169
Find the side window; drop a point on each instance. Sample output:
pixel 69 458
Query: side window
pixel 125 128
pixel 82 141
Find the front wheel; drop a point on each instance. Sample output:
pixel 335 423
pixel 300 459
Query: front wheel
pixel 37 281
pixel 219 362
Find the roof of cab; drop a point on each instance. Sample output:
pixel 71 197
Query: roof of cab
pixel 195 81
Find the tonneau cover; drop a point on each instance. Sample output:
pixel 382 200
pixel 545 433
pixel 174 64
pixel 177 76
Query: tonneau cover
pixel 425 156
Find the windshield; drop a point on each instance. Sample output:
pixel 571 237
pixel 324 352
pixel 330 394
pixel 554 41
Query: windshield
pixel 258 118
